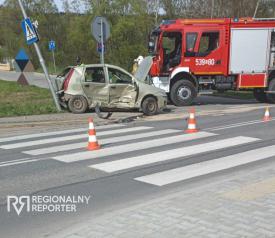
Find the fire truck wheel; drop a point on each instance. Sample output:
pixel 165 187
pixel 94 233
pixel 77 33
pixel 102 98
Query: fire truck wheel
pixel 78 104
pixel 271 87
pixel 183 93
pixel 260 95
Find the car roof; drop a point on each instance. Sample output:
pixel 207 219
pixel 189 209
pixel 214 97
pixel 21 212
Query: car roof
pixel 101 65
pixel 97 65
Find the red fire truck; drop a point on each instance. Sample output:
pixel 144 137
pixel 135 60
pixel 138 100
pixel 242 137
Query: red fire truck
pixel 198 56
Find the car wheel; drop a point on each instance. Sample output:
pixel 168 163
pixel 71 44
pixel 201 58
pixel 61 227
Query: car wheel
pixel 150 106
pixel 183 93
pixel 78 104
pixel 271 87
pixel 260 95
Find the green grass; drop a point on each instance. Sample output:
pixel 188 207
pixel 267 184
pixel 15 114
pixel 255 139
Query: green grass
pixel 18 100
pixel 236 94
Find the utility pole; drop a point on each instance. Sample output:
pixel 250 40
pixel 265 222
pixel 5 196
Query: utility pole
pixel 42 63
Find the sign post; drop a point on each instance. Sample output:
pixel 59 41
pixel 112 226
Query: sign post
pixel 52 49
pixel 31 38
pixel 101 32
pixel 101 41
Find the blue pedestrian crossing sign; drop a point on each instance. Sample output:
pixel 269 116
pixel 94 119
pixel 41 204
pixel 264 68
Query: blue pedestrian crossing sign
pixel 51 45
pixel 29 31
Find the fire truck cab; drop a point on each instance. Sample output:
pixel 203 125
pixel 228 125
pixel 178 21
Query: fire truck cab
pixel 191 56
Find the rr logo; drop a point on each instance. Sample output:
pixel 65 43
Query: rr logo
pixel 18 203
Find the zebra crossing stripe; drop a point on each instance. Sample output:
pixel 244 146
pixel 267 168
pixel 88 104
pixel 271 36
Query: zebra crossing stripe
pixel 54 133
pixel 67 147
pixel 71 137
pixel 15 162
pixel 132 147
pixel 147 159
pixel 207 167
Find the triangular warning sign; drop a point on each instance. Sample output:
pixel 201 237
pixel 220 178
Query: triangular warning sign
pixel 29 32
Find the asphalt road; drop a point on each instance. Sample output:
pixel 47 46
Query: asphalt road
pixel 136 163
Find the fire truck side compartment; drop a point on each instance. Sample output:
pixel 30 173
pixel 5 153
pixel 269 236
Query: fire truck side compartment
pixel 249 50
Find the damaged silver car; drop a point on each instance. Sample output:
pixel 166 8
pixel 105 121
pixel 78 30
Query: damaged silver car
pixel 110 87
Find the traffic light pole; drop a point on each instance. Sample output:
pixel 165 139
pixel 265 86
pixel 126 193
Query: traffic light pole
pixel 42 63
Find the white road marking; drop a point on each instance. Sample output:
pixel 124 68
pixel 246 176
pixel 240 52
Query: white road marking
pixel 15 162
pixel 67 147
pixel 132 162
pixel 53 133
pixel 132 147
pixel 236 125
pixel 207 167
pixel 71 137
pixel 5 162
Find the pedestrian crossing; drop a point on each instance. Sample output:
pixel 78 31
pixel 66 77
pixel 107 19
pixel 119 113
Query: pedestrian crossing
pixel 55 133
pixel 207 167
pixel 132 148
pixel 172 154
pixel 60 148
pixel 69 138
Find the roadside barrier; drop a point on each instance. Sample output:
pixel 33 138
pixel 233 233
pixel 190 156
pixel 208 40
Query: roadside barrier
pixel 267 116
pixel 92 143
pixel 191 127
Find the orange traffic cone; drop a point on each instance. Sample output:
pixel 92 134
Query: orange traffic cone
pixel 191 122
pixel 267 116
pixel 92 144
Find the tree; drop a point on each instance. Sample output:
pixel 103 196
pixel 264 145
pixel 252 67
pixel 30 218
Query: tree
pixel 131 21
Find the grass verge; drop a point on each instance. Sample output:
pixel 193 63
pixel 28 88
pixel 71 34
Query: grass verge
pixel 18 100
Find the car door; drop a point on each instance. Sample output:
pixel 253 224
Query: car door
pixel 170 51
pixel 95 85
pixel 122 90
